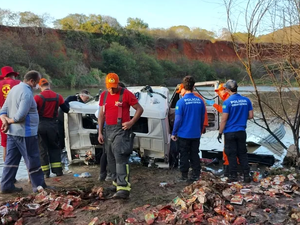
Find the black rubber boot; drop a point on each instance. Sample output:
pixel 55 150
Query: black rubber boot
pixel 122 194
pixel 183 178
pixel 233 177
pixel 247 177
pixel 112 189
pixel 12 190
pixel 60 173
pixel 226 170
pixel 102 177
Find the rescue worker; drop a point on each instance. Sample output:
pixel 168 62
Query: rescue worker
pixel 181 90
pixel 174 154
pixel 20 118
pixel 224 96
pixel 47 104
pixel 237 110
pixel 106 175
pixel 114 111
pixel 8 80
pixel 82 97
pixel 188 127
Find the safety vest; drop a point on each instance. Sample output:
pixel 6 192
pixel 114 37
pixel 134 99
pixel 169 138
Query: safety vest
pixel 56 99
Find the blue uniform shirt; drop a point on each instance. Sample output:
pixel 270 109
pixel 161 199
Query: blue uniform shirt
pixel 237 107
pixel 189 117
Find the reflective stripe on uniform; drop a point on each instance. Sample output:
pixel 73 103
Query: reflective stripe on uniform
pixel 128 187
pixel 15 166
pixel 56 165
pixel 35 171
pixel 45 168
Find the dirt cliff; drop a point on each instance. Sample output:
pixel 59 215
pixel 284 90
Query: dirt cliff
pixel 170 49
pixel 202 50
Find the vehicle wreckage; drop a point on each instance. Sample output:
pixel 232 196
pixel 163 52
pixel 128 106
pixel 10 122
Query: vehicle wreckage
pixel 153 130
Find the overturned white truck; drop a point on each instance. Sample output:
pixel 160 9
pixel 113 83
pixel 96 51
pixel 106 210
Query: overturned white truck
pixel 153 129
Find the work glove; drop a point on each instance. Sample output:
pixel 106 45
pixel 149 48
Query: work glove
pixel 219 138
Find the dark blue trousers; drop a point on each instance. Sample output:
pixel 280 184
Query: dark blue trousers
pixel 28 148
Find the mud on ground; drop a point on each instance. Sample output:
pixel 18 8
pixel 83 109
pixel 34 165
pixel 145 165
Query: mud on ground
pixel 146 189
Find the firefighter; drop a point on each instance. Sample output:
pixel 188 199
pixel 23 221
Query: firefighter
pixel 47 104
pixel 114 111
pixel 8 80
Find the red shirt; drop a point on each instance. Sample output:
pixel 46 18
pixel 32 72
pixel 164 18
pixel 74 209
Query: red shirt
pixel 111 108
pixel 6 85
pixel 49 106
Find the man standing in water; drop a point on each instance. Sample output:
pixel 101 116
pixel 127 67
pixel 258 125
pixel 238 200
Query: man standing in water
pixel 114 111
pixel 20 117
pixel 237 110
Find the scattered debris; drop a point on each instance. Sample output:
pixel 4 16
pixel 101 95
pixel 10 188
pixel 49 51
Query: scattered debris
pixel 273 200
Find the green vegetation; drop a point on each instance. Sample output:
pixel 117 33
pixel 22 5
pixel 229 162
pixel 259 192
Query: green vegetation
pixel 83 49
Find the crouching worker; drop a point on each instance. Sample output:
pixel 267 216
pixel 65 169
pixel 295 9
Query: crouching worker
pixel 114 111
pixel 47 104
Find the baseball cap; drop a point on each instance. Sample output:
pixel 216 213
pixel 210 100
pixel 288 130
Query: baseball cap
pixel 231 85
pixel 179 88
pixel 220 88
pixel 112 80
pixel 43 81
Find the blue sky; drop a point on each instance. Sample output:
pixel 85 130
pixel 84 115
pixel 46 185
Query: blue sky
pixel 206 14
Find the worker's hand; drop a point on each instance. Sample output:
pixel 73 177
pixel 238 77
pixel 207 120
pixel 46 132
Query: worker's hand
pixel 5 125
pixel 174 138
pixel 219 138
pixel 127 125
pixel 9 120
pixel 101 138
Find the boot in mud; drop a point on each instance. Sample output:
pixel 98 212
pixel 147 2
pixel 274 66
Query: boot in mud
pixel 233 178
pixel 226 170
pixel 247 177
pixel 122 194
pixel 183 178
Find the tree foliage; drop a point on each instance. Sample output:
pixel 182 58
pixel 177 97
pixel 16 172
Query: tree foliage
pixel 136 24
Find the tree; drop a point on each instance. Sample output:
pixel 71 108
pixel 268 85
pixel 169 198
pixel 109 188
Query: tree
pixel 119 60
pixel 71 22
pixel 280 59
pixel 8 18
pixel 136 24
pixel 29 19
pixel 198 33
pixel 181 31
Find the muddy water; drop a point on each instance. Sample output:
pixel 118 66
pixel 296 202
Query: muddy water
pixel 208 141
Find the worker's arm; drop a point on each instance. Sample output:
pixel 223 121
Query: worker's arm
pixel 250 115
pixel 64 107
pixel 138 112
pixel 101 124
pixel 23 109
pixel 223 122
